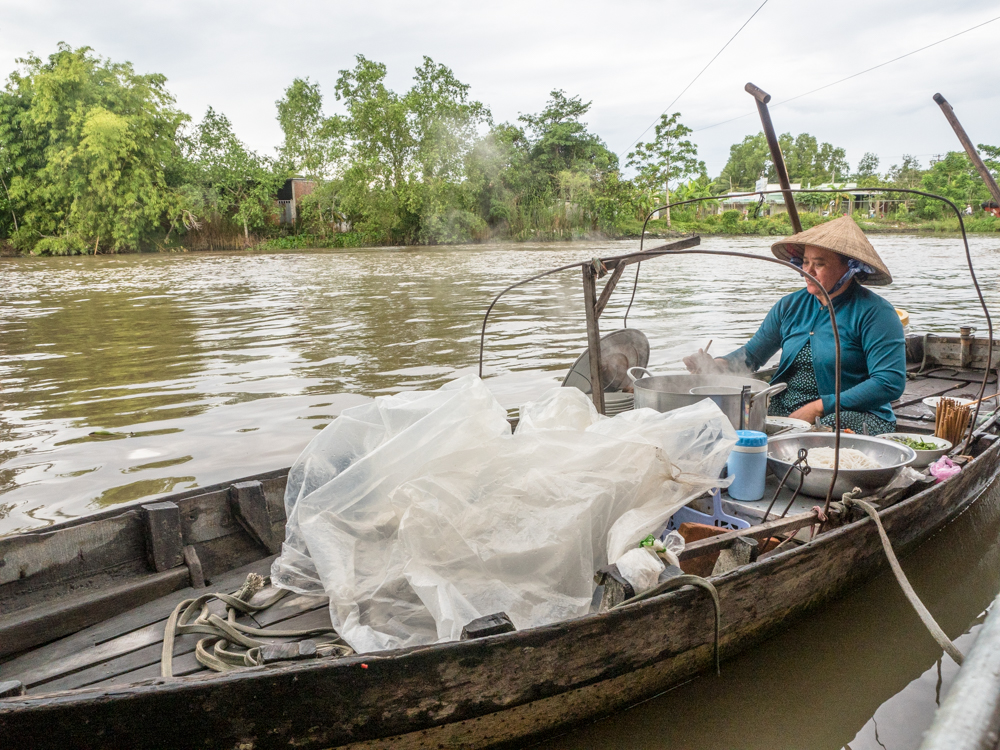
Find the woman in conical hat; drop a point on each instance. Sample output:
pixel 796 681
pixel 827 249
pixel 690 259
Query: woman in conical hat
pixel 873 350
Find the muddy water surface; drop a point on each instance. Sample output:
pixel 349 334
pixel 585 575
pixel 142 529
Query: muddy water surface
pixel 122 378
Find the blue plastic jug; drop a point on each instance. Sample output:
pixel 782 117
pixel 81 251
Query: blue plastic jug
pixel 747 465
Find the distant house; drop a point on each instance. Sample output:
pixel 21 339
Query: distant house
pixel 773 202
pixel 861 199
pixel 290 195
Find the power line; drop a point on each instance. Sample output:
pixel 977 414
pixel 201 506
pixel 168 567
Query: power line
pixel 854 75
pixel 676 98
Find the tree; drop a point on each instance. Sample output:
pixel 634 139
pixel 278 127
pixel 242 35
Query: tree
pixel 86 148
pixel 445 121
pixel 560 141
pixel 237 182
pixel 669 156
pixel 309 146
pixel 907 174
pixel 991 158
pixel 867 168
pixel 807 161
pixel 701 187
pixel 407 153
pixel 749 160
pixel 954 178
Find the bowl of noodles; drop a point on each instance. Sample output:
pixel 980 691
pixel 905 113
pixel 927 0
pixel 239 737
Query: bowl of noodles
pixel 865 462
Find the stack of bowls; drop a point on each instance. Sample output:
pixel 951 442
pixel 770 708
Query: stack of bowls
pixel 615 402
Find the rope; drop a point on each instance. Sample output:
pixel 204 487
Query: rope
pixel 213 652
pixel 925 616
pixel 678 582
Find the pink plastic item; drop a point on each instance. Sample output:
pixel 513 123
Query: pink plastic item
pixel 944 468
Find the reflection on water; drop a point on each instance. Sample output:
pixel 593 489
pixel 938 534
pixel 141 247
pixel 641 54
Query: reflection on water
pixel 231 362
pixel 129 377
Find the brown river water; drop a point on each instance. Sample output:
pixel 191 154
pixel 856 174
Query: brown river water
pixel 126 377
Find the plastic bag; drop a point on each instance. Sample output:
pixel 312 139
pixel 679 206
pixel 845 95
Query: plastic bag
pixel 449 517
pixel 641 568
pixel 944 468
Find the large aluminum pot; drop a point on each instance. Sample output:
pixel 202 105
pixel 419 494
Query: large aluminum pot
pixel 668 392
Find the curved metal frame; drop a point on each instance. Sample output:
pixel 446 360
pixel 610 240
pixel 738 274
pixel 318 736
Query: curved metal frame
pixel 965 242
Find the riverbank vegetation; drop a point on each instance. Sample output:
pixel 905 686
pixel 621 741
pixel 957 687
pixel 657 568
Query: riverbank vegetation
pixel 96 158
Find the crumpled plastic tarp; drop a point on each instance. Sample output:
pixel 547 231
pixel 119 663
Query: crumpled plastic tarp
pixel 419 512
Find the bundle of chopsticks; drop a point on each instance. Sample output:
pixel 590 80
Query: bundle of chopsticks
pixel 952 420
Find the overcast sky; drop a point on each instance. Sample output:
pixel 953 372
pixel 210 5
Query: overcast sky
pixel 630 58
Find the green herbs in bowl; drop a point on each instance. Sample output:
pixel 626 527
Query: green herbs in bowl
pixel 917 445
pixel 927 447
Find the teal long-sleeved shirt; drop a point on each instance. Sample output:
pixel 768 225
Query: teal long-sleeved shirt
pixel 873 349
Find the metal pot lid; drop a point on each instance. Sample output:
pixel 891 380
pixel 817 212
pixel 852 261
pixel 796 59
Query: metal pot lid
pixel 620 351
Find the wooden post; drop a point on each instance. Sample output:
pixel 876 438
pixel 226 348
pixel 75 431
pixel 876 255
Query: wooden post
pixel 165 544
pixel 970 149
pixel 762 98
pixel 254 514
pixel 593 336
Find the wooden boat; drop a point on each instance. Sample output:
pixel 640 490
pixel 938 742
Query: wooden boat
pixel 84 603
pixel 969 718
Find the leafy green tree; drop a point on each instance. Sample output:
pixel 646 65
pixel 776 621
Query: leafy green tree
pixel 406 153
pixel 560 141
pixel 748 161
pixel 700 187
pixel 867 169
pixel 954 178
pixel 445 123
pixel 991 158
pixel 86 147
pixel 669 156
pixel 499 176
pixel 309 147
pixel 810 162
pixel 907 174
pixel 806 159
pixel 237 182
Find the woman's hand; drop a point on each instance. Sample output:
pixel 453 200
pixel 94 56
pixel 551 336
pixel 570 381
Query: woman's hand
pixel 702 363
pixel 810 412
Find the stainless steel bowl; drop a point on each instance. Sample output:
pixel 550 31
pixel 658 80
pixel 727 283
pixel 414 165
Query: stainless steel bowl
pixel 782 450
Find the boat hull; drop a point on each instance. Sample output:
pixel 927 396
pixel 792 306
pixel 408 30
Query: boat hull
pixel 498 691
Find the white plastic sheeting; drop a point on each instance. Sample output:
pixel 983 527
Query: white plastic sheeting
pixel 419 512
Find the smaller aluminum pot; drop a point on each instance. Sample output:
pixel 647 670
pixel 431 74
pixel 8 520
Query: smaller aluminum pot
pixel 669 392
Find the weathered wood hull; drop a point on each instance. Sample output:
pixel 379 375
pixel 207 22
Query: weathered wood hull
pixel 496 691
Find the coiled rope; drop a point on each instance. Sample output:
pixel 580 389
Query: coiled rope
pixel 193 616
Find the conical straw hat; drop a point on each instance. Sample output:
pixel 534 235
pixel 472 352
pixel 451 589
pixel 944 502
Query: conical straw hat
pixel 842 236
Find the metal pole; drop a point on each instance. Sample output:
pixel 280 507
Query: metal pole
pixel 974 157
pixel 762 98
pixel 593 336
